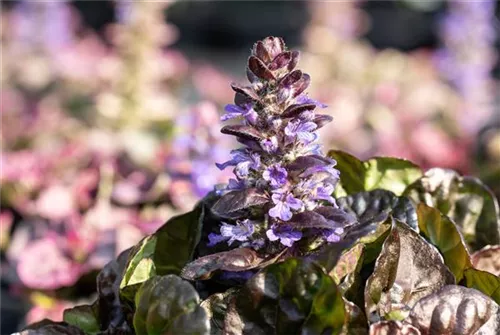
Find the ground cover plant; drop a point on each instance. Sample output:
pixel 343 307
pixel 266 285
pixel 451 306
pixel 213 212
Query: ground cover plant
pixel 304 241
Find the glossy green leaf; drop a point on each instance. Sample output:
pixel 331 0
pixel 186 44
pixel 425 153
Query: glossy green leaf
pixel 407 269
pixel 169 305
pixel 140 268
pixel 388 173
pixel 456 310
pixel 483 281
pixel 442 233
pixel 176 241
pixel 465 200
pixel 83 317
pixel 292 297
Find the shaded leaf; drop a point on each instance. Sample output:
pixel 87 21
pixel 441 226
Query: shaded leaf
pixel 231 204
pixel 292 297
pixel 487 259
pixel 302 163
pixel 407 269
pixel 393 328
pixel 443 234
pixel 310 219
pixel 46 327
pixel 176 241
pixel 355 323
pixel 169 305
pixel 246 132
pixel 392 174
pixel 322 120
pixel 290 79
pixel 84 317
pixel 301 85
pixel 375 206
pixel 259 68
pixel 294 61
pixel 465 200
pixel 246 91
pixel 216 307
pixel 456 310
pixel 484 282
pixel 240 259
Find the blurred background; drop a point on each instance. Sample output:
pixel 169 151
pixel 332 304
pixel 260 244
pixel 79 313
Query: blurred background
pixel 110 114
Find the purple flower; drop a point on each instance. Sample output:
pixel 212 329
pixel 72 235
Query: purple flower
pixel 284 202
pixel 231 233
pixel 270 145
pixel 303 131
pixel 324 192
pixel 334 235
pixel 234 111
pixel 304 99
pixel 275 175
pixel 285 234
pixel 243 160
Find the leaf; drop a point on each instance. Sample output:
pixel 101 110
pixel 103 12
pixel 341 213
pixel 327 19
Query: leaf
pixel 242 131
pixel 443 234
pixel 260 69
pixel 230 205
pixel 322 120
pixel 169 305
pixel 83 317
pixel 465 200
pixel 375 206
pixel 240 259
pixel 348 263
pixel 392 174
pixel 487 259
pixel 292 297
pixel 355 323
pixel 247 91
pixel 176 241
pixel 140 267
pixel 294 61
pixel 484 282
pixel 216 307
pixel 296 109
pixel 393 328
pixel 310 219
pixel 456 310
pixel 290 79
pixel 407 269
pixel 281 60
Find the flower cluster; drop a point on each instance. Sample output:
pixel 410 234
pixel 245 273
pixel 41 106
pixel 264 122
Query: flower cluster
pixel 281 176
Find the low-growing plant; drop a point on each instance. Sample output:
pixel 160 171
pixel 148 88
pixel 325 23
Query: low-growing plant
pixel 300 242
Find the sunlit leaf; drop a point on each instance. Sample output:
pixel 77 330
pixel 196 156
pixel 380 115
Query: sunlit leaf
pixel 483 281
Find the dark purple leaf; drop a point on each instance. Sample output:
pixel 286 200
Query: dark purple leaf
pixel 282 60
pixel 242 99
pixel 230 204
pixel 259 68
pixel 251 76
pixel 301 85
pixel 240 259
pixel 296 109
pixel 260 51
pixel 322 119
pixel 245 90
pixel 302 163
pixel 336 215
pixel 290 79
pixel 309 219
pixel 294 61
pixel 242 131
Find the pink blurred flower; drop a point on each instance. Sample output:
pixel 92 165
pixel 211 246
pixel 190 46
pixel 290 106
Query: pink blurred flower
pixel 56 203
pixel 43 265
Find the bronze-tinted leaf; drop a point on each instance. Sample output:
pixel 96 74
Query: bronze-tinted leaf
pixel 260 51
pixel 259 68
pixel 487 259
pixel 240 259
pixel 295 60
pixel 245 90
pixel 296 109
pixel 393 328
pixel 231 204
pixel 465 200
pixel 301 85
pixel 456 310
pixel 407 269
pixel 290 79
pixel 282 60
pixel 355 323
pixel 243 131
pixel 348 263
pixel 273 46
pixel 322 120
